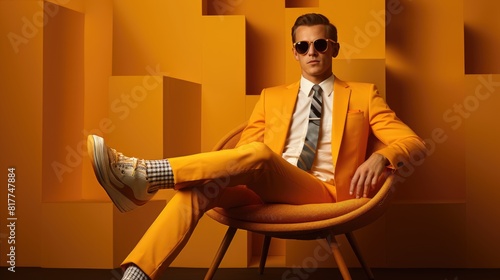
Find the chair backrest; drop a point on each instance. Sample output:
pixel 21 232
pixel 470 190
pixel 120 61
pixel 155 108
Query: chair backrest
pixel 230 140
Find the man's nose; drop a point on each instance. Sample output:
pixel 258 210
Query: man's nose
pixel 311 51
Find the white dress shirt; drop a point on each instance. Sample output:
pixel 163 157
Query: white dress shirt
pixel 323 165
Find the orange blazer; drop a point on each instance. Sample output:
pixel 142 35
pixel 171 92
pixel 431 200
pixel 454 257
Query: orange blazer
pixel 358 112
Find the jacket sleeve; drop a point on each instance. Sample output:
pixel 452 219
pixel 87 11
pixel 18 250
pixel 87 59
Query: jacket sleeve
pixel 400 141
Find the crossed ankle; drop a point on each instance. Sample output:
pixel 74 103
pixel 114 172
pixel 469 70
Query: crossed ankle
pixel 133 272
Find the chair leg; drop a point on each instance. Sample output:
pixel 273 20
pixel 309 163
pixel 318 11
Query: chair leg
pixel 357 252
pixel 220 253
pixel 334 245
pixel 263 256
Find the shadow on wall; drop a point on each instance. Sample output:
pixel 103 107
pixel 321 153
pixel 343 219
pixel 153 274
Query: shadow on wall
pixel 481 52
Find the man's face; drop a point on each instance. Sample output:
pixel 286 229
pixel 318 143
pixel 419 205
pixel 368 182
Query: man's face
pixel 315 66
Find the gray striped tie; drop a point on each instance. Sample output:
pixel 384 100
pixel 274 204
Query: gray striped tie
pixel 306 158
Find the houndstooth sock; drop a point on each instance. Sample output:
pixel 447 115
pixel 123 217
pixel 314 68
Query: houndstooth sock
pixel 160 175
pixel 134 273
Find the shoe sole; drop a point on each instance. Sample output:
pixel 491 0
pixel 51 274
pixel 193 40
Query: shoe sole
pixel 100 162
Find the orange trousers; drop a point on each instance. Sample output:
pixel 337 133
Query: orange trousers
pixel 214 179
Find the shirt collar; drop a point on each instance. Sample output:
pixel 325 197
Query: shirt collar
pixel 326 85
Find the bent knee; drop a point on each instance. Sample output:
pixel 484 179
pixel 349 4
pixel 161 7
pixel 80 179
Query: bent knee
pixel 259 150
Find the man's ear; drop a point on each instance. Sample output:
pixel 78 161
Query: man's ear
pixel 295 54
pixel 336 49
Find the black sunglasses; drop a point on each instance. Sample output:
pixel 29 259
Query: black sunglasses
pixel 321 45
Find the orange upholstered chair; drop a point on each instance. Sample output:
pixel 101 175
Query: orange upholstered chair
pixel 301 222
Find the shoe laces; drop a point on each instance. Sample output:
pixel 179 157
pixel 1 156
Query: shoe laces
pixel 134 165
pixel 119 156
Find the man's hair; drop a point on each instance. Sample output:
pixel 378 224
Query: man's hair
pixel 315 19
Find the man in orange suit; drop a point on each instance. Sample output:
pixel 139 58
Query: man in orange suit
pixel 304 143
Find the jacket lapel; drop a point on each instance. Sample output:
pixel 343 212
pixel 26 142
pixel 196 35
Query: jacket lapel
pixel 281 109
pixel 341 96
pixel 283 116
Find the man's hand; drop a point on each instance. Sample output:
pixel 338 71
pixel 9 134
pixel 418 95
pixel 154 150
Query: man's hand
pixel 367 175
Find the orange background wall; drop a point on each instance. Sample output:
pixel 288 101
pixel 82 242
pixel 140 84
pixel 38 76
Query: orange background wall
pixel 166 78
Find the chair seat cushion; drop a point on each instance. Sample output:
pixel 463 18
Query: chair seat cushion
pixel 286 213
